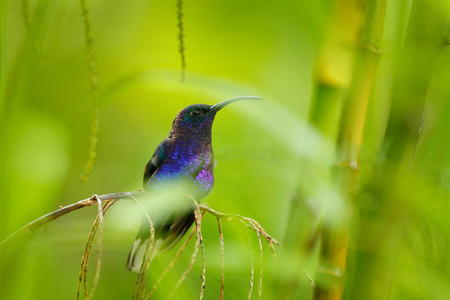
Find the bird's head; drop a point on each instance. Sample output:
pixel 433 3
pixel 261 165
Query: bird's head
pixel 199 118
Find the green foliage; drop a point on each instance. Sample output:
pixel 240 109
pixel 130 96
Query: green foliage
pixel 276 158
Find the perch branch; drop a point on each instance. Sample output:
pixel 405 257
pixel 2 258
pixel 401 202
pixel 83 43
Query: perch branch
pixel 31 226
pixel 69 208
pixel 249 222
pixel 200 209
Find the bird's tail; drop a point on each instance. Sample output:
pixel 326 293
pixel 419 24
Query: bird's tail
pixel 137 253
pixel 167 235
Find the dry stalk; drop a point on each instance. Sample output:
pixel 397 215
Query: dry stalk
pixel 139 292
pixel 67 209
pixel 222 261
pixel 252 267
pixel 258 229
pixel 181 38
pixel 249 222
pixel 311 281
pixel 261 262
pixel 83 277
pixel 188 269
pixel 93 82
pixel 198 220
pixel 172 263
pixel 98 263
pixel 139 288
pixel 199 241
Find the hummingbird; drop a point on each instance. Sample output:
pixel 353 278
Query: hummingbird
pixel 185 156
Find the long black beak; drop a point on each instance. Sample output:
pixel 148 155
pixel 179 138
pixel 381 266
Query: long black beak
pixel 222 104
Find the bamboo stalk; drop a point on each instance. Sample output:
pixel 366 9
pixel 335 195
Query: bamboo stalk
pixel 3 90
pixel 3 12
pixel 426 38
pixel 355 108
pixel 333 69
pixel 335 238
pixel 332 77
pixel 376 244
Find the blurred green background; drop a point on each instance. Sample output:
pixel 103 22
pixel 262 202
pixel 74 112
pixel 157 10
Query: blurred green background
pixel 276 158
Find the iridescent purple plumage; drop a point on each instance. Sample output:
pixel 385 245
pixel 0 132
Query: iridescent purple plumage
pixel 187 152
pixel 184 159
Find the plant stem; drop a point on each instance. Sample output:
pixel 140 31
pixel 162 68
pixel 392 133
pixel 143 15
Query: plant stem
pixel 67 209
pixel 3 10
pixel 376 244
pixel 335 237
pixel 181 47
pixel 93 82
pixel 333 76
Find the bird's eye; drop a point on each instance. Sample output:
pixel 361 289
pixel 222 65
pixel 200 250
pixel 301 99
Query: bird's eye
pixel 195 113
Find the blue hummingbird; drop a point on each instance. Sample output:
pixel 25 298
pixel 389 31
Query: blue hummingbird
pixel 185 156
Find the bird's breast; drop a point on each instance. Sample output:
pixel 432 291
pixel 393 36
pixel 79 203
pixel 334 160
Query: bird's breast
pixel 194 170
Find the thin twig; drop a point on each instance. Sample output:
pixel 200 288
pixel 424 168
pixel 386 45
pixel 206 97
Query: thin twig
pixel 172 263
pixel 110 199
pixel 93 81
pixel 67 209
pixel 31 226
pixel 252 271
pixel 188 269
pixel 199 241
pixel 261 267
pixel 82 278
pixel 87 251
pixel 251 223
pixel 98 264
pixel 181 38
pixel 311 281
pixel 139 288
pixel 222 259
pixel 198 220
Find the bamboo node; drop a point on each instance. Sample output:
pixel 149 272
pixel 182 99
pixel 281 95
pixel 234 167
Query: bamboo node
pixel 351 164
pixel 371 47
pixel 335 272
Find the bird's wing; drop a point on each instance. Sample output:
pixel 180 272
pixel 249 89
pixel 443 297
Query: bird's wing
pixel 156 160
pixel 175 226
